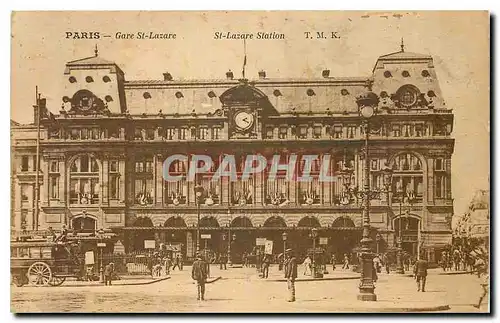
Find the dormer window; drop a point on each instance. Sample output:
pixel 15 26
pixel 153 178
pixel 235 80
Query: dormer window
pixel 277 93
pixel 211 94
pixel 407 96
pixel 344 92
pixel 179 95
pixel 387 74
pixel 146 95
pixel 106 79
pixel 89 79
pixel 310 92
pixel 405 74
pixel 108 98
pixel 72 79
pixel 431 94
pixel 425 73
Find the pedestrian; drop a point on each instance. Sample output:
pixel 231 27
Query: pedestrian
pixel 346 262
pixel 420 272
pixel 223 261
pixel 290 273
pixel 207 264
pixel 181 261
pixel 307 266
pixel 176 262
pixel 245 259
pixel 374 270
pixel 199 274
pixel 265 266
pixel 108 273
pixel 334 261
pixel 484 284
pixel 168 264
pixel 385 261
pixel 376 264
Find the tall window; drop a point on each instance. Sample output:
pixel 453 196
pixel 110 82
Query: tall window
pixel 408 176
pixel 176 192
pixel 114 178
pixel 277 190
pixel 283 131
pixel 216 133
pixel 183 133
pixel 337 131
pixel 25 191
pixel 396 130
pixel 351 132
pixel 203 133
pixel 170 134
pixel 144 188
pixel 84 180
pixel 242 191
pixel 310 192
pixel 25 163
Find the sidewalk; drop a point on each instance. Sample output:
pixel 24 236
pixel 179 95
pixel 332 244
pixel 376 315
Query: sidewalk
pixel 128 281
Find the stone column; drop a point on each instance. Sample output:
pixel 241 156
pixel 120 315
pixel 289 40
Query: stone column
pixel 63 191
pixel 429 178
pixel 45 188
pixel 158 176
pixel 104 181
pixel 122 187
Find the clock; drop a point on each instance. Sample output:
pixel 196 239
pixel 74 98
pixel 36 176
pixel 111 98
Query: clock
pixel 243 120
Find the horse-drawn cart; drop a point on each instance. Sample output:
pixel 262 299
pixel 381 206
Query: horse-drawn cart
pixel 43 263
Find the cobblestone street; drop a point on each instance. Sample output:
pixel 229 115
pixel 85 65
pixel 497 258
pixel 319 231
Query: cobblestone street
pixel 241 290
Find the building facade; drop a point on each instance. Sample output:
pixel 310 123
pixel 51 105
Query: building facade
pixel 102 155
pixel 475 222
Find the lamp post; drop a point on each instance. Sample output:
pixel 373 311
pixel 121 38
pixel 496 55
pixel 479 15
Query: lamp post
pixel 314 235
pixel 367 104
pixel 198 190
pixel 284 236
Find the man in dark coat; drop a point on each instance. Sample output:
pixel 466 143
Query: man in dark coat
pixel 108 273
pixel 290 273
pixel 420 272
pixel 265 266
pixel 199 273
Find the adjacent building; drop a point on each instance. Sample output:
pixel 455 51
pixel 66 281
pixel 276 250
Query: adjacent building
pixel 102 155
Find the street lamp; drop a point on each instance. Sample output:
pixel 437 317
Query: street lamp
pixel 314 235
pixel 198 190
pixel 284 236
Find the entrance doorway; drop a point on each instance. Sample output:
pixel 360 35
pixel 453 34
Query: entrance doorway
pixel 407 227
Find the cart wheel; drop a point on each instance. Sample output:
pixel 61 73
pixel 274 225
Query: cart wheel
pixel 39 274
pixel 56 280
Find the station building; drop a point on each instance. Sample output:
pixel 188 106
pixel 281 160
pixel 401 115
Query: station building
pixel 102 154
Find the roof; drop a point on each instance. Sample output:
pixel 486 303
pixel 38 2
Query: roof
pixel 402 55
pixel 92 60
pixel 481 200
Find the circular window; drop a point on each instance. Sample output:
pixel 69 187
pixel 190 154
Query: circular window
pixel 425 73
pixel 431 94
pixel 405 74
pixel 146 95
pixel 383 94
pixel 179 95
pixel 89 79
pixel 310 92
pixel 211 94
pixel 72 79
pixel 387 74
pixel 106 79
pixel 407 96
pixel 277 92
pixel 65 99
pixel 108 98
pixel 344 92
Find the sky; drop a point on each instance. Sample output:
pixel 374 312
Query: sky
pixel 457 41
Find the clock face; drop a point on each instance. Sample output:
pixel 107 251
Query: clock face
pixel 243 120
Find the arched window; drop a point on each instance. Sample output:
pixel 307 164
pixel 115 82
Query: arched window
pixel 407 96
pixel 84 180
pixel 408 176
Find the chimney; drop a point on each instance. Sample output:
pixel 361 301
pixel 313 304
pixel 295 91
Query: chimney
pixel 229 75
pixel 262 74
pixel 326 73
pixel 167 77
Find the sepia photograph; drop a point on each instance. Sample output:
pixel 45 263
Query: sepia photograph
pixel 250 162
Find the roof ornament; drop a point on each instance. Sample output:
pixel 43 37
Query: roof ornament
pixel 402 45
pixel 96 51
